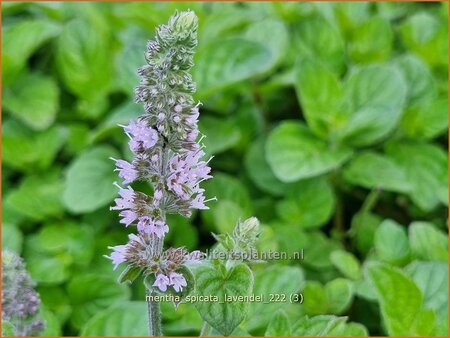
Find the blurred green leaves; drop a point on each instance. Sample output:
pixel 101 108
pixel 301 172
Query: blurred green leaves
pixel 89 182
pixel 328 121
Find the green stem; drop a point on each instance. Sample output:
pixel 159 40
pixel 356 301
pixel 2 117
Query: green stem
pixel 154 315
pixel 205 329
pixel 370 200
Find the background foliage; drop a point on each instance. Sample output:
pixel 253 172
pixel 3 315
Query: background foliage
pixel 328 121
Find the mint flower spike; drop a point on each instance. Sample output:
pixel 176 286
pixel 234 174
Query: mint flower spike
pixel 20 302
pixel 167 152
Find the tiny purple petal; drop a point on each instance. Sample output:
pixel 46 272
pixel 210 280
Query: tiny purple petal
pixel 118 255
pixel 162 282
pixel 178 281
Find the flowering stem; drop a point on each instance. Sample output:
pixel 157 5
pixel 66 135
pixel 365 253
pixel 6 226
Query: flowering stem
pixel 154 315
pixel 205 329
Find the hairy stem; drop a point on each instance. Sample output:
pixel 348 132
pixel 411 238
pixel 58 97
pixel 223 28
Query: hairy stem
pixel 154 315
pixel 205 329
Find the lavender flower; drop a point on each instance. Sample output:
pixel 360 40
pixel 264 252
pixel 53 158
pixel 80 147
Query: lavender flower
pixel 20 303
pixel 166 153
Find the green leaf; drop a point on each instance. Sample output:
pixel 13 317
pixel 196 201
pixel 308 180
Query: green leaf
pixel 231 192
pixel 310 37
pixel 224 62
pixel 221 134
pixel 346 263
pixel 371 41
pixel 426 167
pixel 20 41
pixel 421 84
pixel 83 59
pixel 129 274
pixel 26 150
pixel 320 98
pixel 259 170
pixel 363 228
pixel 427 36
pixel 308 203
pixel 391 243
pixel 38 197
pixel 375 171
pixel 273 35
pixel 90 293
pixel 274 280
pixel 52 326
pixel 315 298
pixel 294 153
pixel 428 120
pixel 74 239
pixel 317 245
pixel 374 96
pixel 130 57
pixel 432 280
pixel 55 300
pixel 339 294
pixel 40 265
pixel 7 329
pixel 279 325
pixel 89 182
pixel 12 237
pixel 212 281
pixel 400 300
pixel 124 319
pixel 317 326
pixel 349 329
pixel 225 215
pixel 333 298
pixel 33 99
pixel 427 242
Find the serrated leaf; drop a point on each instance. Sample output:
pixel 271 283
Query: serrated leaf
pixel 346 263
pixel 321 98
pixel 391 243
pixel 20 41
pixel 224 316
pixel 259 170
pixel 279 325
pixel 376 171
pixel 281 280
pixel 38 197
pixel 235 60
pixel 399 297
pixel 124 319
pixel 317 326
pixel 432 280
pixel 374 97
pixel 26 150
pixel 427 242
pixel 89 181
pixel 83 59
pixel 310 37
pixel 371 41
pixel 426 167
pixel 294 153
pixel 308 203
pixel 33 99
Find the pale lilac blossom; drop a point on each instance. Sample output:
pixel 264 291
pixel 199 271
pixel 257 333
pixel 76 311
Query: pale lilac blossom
pixel 162 282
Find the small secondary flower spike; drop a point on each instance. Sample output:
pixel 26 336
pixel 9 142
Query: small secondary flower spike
pixel 166 153
pixel 20 302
